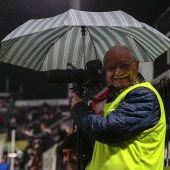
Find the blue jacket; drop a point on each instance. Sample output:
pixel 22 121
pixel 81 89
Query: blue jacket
pixel 142 113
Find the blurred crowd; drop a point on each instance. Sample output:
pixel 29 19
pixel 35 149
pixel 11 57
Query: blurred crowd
pixel 32 124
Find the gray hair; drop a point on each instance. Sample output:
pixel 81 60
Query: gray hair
pixel 123 46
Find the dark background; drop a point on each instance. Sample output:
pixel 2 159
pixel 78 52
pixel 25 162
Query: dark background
pixel 13 13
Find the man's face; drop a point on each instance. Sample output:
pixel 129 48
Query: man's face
pixel 70 159
pixel 121 68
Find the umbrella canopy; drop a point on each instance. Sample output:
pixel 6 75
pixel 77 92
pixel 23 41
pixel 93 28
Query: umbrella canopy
pixel 52 43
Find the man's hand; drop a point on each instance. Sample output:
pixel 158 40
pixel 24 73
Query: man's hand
pixel 75 99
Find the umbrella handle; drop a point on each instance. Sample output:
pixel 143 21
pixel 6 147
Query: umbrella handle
pixel 80 155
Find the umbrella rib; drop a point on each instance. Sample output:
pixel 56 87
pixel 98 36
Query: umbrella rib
pixel 143 48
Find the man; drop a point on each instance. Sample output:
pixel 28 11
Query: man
pixel 4 165
pixel 45 136
pixel 130 134
pixel 68 151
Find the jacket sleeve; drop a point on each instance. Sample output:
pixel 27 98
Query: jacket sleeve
pixel 40 135
pixel 138 112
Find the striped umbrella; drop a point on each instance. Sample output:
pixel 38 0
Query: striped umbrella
pixel 52 43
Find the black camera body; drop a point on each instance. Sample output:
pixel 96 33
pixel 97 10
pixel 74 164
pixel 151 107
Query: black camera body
pixel 90 77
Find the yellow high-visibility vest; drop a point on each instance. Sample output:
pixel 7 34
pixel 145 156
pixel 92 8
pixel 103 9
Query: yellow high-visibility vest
pixel 142 152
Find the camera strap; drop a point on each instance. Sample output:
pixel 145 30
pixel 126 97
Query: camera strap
pixel 95 99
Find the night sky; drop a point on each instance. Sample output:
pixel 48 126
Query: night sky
pixel 13 13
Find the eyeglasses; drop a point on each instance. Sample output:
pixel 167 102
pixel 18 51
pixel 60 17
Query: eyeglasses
pixel 122 67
